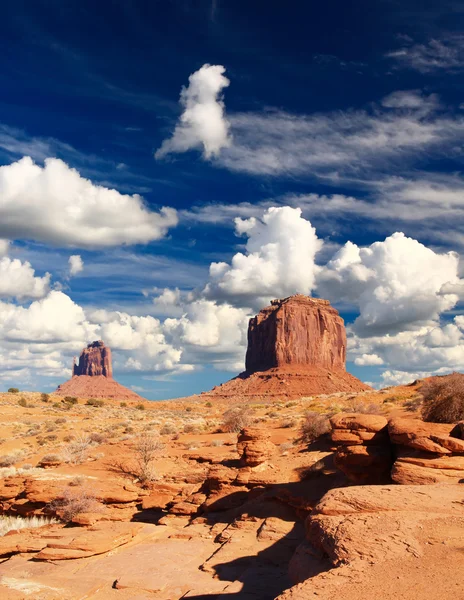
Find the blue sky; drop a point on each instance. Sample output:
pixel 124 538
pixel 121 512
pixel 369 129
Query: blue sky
pixel 324 129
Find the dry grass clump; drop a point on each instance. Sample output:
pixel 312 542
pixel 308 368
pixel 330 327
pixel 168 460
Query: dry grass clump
pixel 235 419
pixel 74 501
pixel 8 460
pixel 364 408
pixel 77 451
pixel 443 399
pixel 16 523
pixel 314 426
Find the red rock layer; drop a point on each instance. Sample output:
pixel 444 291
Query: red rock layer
pixel 297 331
pixel 287 383
pixel 84 386
pixel 94 360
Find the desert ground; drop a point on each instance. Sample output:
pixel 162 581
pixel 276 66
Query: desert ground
pixel 166 500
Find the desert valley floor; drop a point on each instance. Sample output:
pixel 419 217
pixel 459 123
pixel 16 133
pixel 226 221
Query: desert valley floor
pixel 264 513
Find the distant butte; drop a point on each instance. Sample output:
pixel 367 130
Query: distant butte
pixel 296 347
pixel 93 376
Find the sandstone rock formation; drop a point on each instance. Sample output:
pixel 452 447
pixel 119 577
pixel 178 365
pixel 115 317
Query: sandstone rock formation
pixel 296 347
pixel 364 452
pixel 93 376
pixel 254 447
pixel 426 452
pixel 363 541
pixel 94 360
pixel 407 451
pixel 300 331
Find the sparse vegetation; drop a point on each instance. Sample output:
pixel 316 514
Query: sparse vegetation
pixel 146 448
pixel 140 406
pixel 95 403
pixel 8 523
pixel 314 426
pixel 443 399
pixel 235 419
pixel 22 402
pixel 77 451
pixel 73 501
pixel 45 397
pixel 70 400
pixel 13 390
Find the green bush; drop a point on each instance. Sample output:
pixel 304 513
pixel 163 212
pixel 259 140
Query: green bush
pixel 94 402
pixel 140 406
pixel 13 391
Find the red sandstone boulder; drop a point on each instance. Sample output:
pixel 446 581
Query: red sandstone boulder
pixel 254 447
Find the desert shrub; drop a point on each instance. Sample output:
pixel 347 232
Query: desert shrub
pixel 216 443
pixel 77 451
pixel 192 428
pixel 168 429
pixel 45 397
pixel 70 400
pixel 208 404
pixel 146 447
pixel 8 460
pixel 123 404
pixel 49 427
pixel 69 438
pixel 22 402
pixel 15 523
pixel 314 426
pixel 56 405
pixel 13 390
pixel 95 403
pixel 51 438
pixel 188 409
pixel 97 438
pixel 363 408
pixel 288 423
pixel 60 421
pixel 413 404
pixel 140 406
pixel 235 419
pixel 443 399
pixel 73 501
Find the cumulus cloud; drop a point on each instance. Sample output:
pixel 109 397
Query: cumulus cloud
pixel 54 204
pixel 279 259
pixel 396 284
pixel 55 318
pixel 4 247
pixel 76 264
pixel 202 123
pixel 18 280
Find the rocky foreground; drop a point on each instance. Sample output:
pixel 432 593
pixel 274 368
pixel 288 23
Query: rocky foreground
pixel 263 513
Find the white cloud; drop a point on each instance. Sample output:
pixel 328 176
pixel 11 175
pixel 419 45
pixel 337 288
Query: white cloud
pixel 4 247
pixel 279 260
pixel 54 204
pixel 55 318
pixel 396 284
pixel 202 123
pixel 18 280
pixel 368 360
pixel 434 56
pixel 76 264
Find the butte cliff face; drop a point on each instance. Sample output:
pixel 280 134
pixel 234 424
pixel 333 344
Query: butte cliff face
pixel 296 347
pixel 92 376
pixel 296 331
pixel 94 360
